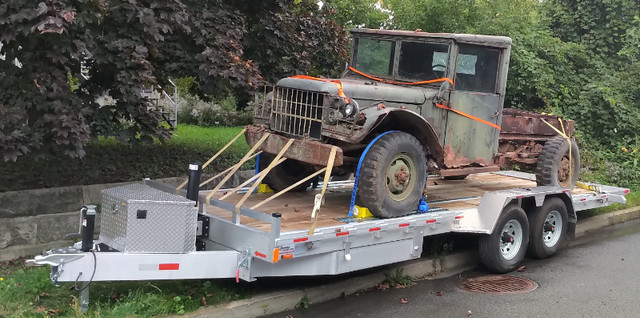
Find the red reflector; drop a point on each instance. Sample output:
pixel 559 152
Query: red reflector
pixel 431 221
pixel 169 267
pixel 459 217
pixel 373 229
pixel 604 196
pixel 583 199
pixel 626 191
pixel 302 239
pixel 260 254
pixel 342 233
pixel 404 225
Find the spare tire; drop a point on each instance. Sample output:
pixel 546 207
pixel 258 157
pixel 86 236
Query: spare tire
pixel 554 167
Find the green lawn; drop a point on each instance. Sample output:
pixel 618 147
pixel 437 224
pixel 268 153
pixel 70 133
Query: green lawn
pixel 109 161
pixel 28 292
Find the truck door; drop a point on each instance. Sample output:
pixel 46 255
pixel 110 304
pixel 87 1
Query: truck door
pixel 476 93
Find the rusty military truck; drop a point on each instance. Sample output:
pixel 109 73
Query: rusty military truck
pixel 410 103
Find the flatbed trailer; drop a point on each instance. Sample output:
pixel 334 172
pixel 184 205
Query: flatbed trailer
pixel 281 239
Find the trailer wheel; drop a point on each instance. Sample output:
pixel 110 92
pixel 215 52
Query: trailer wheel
pixel 504 249
pixel 285 174
pixel 548 228
pixel 554 167
pixel 393 175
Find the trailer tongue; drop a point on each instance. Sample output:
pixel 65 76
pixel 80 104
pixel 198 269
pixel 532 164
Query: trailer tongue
pixel 150 233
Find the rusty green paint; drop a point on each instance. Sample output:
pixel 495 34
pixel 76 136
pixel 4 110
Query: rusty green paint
pixel 452 141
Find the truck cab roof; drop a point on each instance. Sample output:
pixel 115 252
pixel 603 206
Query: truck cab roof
pixel 486 40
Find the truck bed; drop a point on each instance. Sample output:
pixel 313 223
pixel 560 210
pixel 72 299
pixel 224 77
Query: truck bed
pixel 296 208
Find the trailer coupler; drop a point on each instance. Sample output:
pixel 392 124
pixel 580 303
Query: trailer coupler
pixel 56 259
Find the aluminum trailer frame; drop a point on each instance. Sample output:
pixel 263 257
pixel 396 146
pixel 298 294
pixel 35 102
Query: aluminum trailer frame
pixel 232 249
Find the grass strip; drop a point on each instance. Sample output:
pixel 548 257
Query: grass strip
pixel 28 292
pixel 109 161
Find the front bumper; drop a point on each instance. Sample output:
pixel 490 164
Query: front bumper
pixel 312 152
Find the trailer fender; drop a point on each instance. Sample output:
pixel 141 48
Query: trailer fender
pixel 492 204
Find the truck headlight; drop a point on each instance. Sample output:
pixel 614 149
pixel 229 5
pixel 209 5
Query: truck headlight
pixel 351 108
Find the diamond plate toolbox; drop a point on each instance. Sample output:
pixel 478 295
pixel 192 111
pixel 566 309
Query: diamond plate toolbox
pixel 137 218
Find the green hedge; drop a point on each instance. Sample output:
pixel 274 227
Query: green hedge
pixel 108 161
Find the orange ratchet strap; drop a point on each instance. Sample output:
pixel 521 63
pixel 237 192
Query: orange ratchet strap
pixel 340 86
pixel 444 79
pixel 469 116
pixel 337 83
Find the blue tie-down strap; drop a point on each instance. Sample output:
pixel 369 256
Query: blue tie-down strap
pixel 357 177
pixel 422 206
pixel 257 170
pixel 257 164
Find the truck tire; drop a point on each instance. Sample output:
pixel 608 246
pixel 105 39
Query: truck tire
pixel 502 250
pixel 393 175
pixel 343 176
pixel 285 174
pixel 548 228
pixel 554 167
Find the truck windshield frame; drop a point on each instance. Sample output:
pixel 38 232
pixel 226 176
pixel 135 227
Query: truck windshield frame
pixel 410 60
pixel 423 61
pixel 375 56
pixel 477 69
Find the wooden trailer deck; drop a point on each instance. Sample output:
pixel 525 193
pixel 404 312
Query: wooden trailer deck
pixel 296 208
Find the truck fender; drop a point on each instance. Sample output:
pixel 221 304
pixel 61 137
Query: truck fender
pixel 385 119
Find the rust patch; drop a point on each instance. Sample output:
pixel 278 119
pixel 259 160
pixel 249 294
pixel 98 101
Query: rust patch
pixel 401 176
pixel 453 160
pixel 524 123
pixel 524 134
pixel 512 152
pixel 312 152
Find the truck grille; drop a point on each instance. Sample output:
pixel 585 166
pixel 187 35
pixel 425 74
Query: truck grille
pixel 297 112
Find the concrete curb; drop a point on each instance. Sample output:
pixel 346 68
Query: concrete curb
pixel 421 268
pixel 603 220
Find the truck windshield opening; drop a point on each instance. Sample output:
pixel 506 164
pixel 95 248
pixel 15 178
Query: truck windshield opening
pixel 375 57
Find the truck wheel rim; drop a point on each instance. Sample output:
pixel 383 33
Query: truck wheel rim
pixel 552 229
pixel 510 248
pixel 400 179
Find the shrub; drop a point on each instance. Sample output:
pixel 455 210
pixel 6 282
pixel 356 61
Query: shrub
pixel 195 111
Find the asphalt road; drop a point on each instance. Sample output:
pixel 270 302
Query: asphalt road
pixel 597 276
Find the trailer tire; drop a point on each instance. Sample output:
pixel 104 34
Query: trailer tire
pixel 285 174
pixel 393 175
pixel 502 250
pixel 554 167
pixel 548 228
